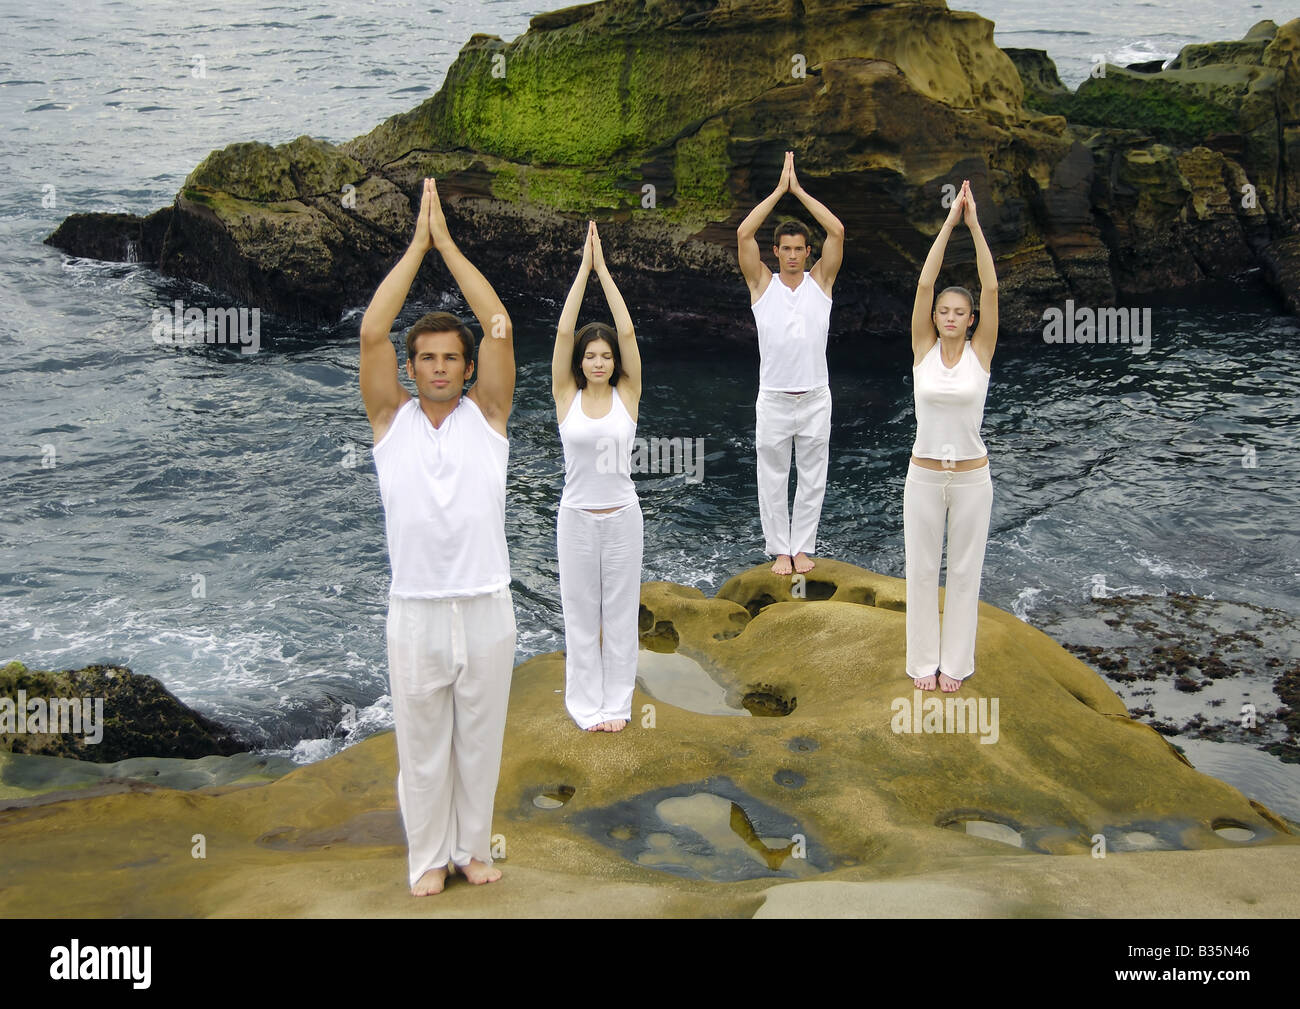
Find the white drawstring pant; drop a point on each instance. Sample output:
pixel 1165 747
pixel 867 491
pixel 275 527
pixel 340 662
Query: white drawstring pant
pixel 449 667
pixel 965 501
pixel 783 419
pixel 600 589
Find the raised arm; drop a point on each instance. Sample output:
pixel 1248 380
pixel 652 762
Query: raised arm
pixel 827 267
pixel 381 392
pixel 494 391
pixel 986 332
pixel 923 334
pixel 563 385
pixel 629 383
pixel 751 260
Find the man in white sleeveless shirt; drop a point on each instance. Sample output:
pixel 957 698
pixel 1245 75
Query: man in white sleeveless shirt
pixel 792 311
pixel 441 460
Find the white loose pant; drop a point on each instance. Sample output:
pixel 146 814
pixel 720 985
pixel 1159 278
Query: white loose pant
pixel 449 667
pixel 600 589
pixel 783 419
pixel 964 500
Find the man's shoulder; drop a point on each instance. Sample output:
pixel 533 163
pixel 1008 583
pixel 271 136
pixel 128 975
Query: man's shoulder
pixel 383 423
pixel 814 275
pixel 490 418
pixel 765 282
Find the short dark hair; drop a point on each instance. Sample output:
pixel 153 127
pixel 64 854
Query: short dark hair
pixel 589 333
pixel 440 322
pixel 791 227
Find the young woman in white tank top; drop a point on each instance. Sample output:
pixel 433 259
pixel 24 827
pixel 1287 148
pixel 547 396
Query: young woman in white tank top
pixel 948 482
pixel 596 381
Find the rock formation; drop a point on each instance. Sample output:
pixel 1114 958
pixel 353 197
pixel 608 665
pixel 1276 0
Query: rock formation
pixel 666 123
pixel 102 714
pixel 829 770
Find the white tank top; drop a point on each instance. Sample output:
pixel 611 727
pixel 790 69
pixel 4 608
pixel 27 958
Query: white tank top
pixel 444 493
pixel 792 328
pixel 949 406
pixel 597 456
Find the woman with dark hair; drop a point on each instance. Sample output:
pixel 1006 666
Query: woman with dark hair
pixel 596 381
pixel 948 479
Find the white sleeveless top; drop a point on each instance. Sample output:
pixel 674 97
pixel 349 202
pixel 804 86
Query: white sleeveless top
pixel 949 406
pixel 444 493
pixel 792 328
pixel 597 456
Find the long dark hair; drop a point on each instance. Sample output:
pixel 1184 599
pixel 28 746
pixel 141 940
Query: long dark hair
pixel 590 332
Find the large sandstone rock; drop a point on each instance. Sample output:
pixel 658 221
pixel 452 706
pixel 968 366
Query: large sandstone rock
pixel 816 787
pixel 667 124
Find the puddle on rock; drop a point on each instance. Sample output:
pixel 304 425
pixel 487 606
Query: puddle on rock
pixel 728 831
pixel 553 796
pixel 990 831
pixel 682 682
pixel 708 830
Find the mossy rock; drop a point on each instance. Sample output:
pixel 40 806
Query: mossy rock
pixel 140 717
pixel 260 173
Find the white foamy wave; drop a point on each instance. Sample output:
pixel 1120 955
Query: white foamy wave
pixel 1024 602
pixel 1141 51
pixel 224 671
pixel 705 572
pixel 377 717
pixel 1162 568
pixel 537 641
pixel 1099 588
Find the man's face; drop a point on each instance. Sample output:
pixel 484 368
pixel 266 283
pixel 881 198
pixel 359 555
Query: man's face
pixel 439 368
pixel 792 253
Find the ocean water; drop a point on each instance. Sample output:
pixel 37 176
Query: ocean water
pixel 212 518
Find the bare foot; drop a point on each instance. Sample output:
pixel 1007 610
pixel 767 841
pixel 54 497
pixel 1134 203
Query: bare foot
pixel 430 883
pixel 478 873
pixel 782 565
pixel 803 563
pixel 924 682
pixel 598 727
pixel 616 724
pixel 947 684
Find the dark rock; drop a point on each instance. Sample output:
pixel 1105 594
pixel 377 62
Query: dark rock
pixel 140 717
pixel 1037 72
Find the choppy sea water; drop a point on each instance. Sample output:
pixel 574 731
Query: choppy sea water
pixel 212 519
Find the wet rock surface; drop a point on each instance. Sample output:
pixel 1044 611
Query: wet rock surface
pixel 1193 667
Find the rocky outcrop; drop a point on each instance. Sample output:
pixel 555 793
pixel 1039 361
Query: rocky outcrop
pixel 1203 158
pixel 666 123
pixel 102 714
pixel 820 763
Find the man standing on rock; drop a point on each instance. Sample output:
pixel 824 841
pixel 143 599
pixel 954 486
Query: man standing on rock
pixel 441 460
pixel 792 310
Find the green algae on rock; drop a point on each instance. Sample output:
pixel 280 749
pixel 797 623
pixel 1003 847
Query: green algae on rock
pixel 667 122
